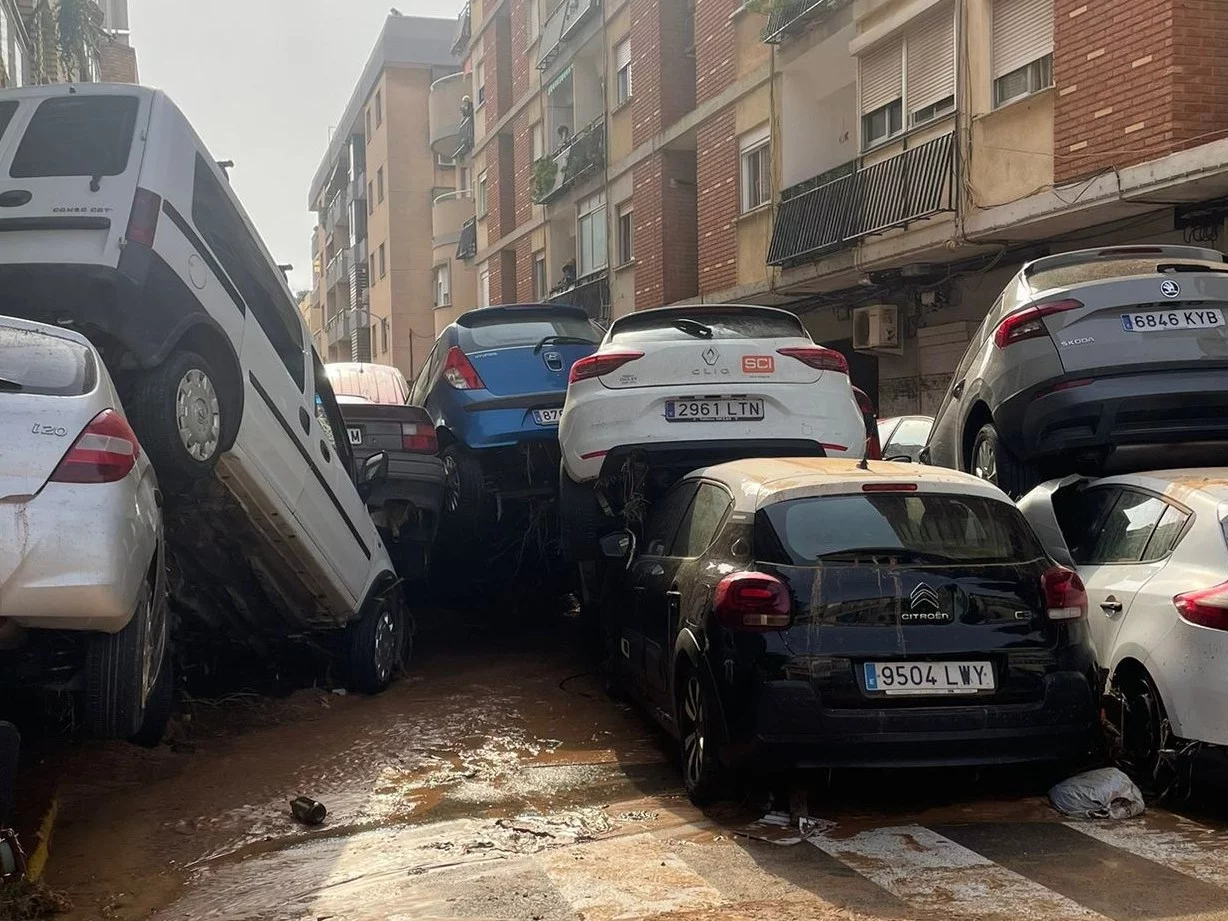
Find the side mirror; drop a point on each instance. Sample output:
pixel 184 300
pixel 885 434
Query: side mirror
pixel 618 546
pixel 899 458
pixel 372 472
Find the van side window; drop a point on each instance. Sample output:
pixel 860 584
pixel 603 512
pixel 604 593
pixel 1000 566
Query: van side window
pixel 328 414
pixel 6 115
pixel 224 229
pixel 77 136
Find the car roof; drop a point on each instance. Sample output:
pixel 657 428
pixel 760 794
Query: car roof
pixel 1178 483
pixel 763 481
pixel 46 328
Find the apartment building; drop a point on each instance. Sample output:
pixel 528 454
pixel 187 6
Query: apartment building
pixel 116 56
pixel 14 46
pixel 23 22
pixel 374 195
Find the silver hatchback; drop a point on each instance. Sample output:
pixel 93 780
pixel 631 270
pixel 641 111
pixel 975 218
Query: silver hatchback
pixel 1083 353
pixel 82 584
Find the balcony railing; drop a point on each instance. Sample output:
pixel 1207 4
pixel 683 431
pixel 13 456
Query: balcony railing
pixel 464 138
pixel 591 294
pixel 561 26
pixel 338 212
pixel 444 112
pixel 791 17
pixel 358 187
pixel 338 268
pixel 338 327
pixel 915 184
pixel 449 214
pixel 467 248
pixel 464 30
pixel 581 155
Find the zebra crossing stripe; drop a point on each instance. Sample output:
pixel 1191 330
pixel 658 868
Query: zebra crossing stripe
pixel 933 873
pixel 1172 841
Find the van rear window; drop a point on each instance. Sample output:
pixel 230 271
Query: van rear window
pixel 931 528
pixel 77 136
pixel 33 362
pixel 6 115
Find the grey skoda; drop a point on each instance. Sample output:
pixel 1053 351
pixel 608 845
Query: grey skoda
pixel 1083 353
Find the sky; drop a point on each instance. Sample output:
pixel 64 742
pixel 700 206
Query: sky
pixel 262 81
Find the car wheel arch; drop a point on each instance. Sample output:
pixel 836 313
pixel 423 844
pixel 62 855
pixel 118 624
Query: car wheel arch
pixel 688 655
pixel 978 417
pixel 1128 664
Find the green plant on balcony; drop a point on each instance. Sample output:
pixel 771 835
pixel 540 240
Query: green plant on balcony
pixel 545 172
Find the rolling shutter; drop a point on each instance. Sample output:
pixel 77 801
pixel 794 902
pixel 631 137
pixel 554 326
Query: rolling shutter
pixel 931 59
pixel 622 54
pixel 1022 33
pixel 881 75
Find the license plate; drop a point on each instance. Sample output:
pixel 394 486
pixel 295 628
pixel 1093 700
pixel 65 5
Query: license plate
pixel 709 410
pixel 928 677
pixel 355 436
pixel 547 416
pixel 1151 321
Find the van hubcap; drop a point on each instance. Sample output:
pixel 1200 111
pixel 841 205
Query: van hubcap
pixel 693 732
pixel 387 639
pixel 197 416
pixel 985 461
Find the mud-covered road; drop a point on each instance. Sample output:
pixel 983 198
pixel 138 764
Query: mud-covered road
pixel 500 783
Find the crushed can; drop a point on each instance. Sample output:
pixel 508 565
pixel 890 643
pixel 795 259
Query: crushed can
pixel 307 810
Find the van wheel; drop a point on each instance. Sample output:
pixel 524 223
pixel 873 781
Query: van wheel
pixel 580 520
pixel 177 414
pixel 463 486
pixel 121 672
pixel 993 461
pixel 379 644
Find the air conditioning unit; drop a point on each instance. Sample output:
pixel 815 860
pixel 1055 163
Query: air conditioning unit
pixel 876 327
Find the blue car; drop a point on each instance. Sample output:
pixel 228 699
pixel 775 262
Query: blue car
pixel 494 386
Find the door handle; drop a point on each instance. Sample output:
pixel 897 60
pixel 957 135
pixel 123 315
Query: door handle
pixel 324 450
pixel 1111 605
pixel 958 390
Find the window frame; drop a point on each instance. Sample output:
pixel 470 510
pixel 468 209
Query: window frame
pixel 541 279
pixel 587 212
pixel 383 261
pixel 483 195
pixel 755 146
pixel 379 184
pixel 370 197
pixel 664 512
pixel 484 288
pixel 711 486
pixel 379 109
pixel 893 109
pixel 625 242
pixel 479 80
pixel 623 86
pixel 1039 73
pixel 442 284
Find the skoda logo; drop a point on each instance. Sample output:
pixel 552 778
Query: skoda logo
pixel 1169 288
pixel 924 608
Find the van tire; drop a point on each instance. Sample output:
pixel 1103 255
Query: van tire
pixel 463 488
pixel 580 520
pixel 115 706
pixel 378 644
pixel 177 412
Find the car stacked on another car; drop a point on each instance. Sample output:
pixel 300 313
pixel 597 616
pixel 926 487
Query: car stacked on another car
pixel 83 589
pixel 1084 353
pixel 798 613
pixel 677 388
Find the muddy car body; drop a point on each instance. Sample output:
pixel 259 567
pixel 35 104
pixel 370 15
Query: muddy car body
pixel 810 613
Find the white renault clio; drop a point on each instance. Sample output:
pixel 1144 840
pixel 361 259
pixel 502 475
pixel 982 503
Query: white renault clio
pixel 677 388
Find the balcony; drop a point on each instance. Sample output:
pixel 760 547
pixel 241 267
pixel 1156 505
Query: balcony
pixel 338 327
pixel 449 214
pixel 556 172
pixel 913 185
pixel 464 140
pixel 467 246
pixel 338 212
pixel 444 113
pixel 591 294
pixel 464 30
pixel 789 18
pixel 338 268
pixel 358 187
pixel 562 26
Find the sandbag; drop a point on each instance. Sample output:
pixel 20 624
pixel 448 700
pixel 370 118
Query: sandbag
pixel 1105 793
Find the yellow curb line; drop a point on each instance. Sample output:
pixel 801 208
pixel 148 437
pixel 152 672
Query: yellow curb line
pixel 37 861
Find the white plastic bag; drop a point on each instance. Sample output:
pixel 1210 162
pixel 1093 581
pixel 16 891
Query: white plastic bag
pixel 1105 793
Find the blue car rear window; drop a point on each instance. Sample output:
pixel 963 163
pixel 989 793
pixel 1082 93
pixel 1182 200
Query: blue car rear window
pixel 529 330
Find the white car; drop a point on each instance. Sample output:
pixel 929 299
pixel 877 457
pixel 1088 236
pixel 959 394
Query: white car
pixel 82 581
pixel 118 223
pixel 1152 550
pixel 677 388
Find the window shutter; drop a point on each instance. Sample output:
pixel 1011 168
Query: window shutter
pixel 931 59
pixel 622 55
pixel 1022 32
pixel 881 75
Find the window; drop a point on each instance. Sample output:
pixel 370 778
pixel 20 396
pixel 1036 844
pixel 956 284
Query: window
pixel 702 521
pixel 379 108
pixel 260 286
pixel 482 190
pixel 77 136
pixel 540 289
pixel 45 365
pixel 466 179
pixel 1022 48
pixel 379 183
pixel 591 236
pixel 369 131
pixel 1128 528
pixel 539 141
pixel 422 383
pixel 7 109
pixel 881 124
pixel 909 437
pixel 724 322
pixel 445 162
pixel 383 331
pixel 443 285
pixel 484 289
pixel 328 415
pixel 882 92
pixel 371 197
pixel 930 81
pixel 663 522
pixel 622 67
pixel 372 275
pixel 626 233
pixel 383 264
pixel 481 82
pixel 756 169
pixel 529 326
pixel 1167 534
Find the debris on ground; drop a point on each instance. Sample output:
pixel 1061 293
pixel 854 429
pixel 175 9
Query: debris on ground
pixel 779 828
pixel 1105 793
pixel 24 900
pixel 307 810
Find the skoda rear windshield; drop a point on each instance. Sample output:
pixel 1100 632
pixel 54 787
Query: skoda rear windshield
pixel 84 135
pixel 675 325
pixel 515 327
pixel 34 362
pixel 911 528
